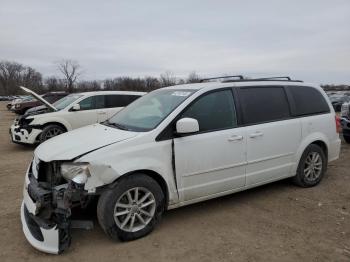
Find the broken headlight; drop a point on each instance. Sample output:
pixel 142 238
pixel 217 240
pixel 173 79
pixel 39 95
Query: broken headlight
pixel 76 172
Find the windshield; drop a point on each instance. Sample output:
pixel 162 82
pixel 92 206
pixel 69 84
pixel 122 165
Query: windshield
pixel 150 110
pixel 65 101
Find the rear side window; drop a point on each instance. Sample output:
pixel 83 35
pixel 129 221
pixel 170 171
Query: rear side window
pixel 99 102
pixel 213 111
pixel 119 100
pixel 263 104
pixel 307 101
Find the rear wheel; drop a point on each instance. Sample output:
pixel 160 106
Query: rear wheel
pixel 312 166
pixel 51 131
pixel 132 208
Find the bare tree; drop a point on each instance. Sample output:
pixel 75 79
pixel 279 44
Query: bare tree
pixel 13 74
pixel 167 79
pixel 10 73
pixel 193 77
pixel 71 70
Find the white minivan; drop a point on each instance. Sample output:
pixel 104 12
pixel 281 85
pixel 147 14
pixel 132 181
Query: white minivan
pixel 177 146
pixel 70 112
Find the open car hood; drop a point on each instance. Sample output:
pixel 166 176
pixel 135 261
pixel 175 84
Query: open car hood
pixel 38 97
pixel 80 141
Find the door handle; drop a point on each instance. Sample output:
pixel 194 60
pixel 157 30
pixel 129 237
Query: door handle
pixel 101 113
pixel 256 134
pixel 235 138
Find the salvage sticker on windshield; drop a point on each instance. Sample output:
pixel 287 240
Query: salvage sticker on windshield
pixel 181 93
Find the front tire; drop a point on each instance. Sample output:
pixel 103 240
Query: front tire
pixel 311 168
pixel 51 131
pixel 132 208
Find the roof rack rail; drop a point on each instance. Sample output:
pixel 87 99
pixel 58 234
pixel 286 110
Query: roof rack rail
pixel 276 78
pixel 220 77
pixel 243 79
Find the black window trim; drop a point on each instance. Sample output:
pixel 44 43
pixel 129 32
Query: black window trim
pixel 164 134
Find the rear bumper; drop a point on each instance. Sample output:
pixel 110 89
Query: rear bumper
pixel 334 150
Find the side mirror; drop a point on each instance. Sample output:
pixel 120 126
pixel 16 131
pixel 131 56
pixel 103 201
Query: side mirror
pixel 187 126
pixel 76 107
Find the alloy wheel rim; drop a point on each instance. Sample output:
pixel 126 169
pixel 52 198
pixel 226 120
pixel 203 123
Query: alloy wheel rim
pixel 313 166
pixel 134 209
pixel 52 132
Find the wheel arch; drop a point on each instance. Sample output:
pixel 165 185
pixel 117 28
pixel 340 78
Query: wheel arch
pixel 322 145
pixel 55 123
pixel 316 139
pixel 154 175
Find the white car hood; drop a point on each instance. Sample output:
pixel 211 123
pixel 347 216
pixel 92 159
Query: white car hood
pixel 38 97
pixel 80 141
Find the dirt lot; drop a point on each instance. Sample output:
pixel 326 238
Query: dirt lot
pixel 277 222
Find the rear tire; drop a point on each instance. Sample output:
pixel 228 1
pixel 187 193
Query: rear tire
pixel 311 168
pixel 51 131
pixel 120 210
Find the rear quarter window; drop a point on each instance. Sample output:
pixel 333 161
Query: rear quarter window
pixel 307 100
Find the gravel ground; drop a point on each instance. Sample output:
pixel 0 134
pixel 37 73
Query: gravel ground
pixel 277 222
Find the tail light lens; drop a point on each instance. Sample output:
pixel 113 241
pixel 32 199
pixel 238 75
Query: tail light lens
pixel 337 124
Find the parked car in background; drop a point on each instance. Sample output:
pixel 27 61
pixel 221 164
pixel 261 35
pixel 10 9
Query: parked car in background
pixel 20 99
pixel 177 146
pixel 71 112
pixel 22 106
pixel 345 121
pixel 337 101
pixel 4 98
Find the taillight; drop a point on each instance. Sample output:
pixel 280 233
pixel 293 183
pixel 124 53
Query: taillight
pixel 337 124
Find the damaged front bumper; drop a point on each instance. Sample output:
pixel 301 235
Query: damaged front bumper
pixel 24 135
pixel 46 212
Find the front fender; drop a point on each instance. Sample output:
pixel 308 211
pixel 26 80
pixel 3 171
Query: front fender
pixel 107 168
pixel 44 121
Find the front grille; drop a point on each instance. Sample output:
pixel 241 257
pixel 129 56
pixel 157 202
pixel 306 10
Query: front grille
pixel 33 226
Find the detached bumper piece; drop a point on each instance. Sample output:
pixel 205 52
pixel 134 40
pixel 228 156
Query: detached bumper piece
pixel 46 240
pixel 46 212
pixel 47 229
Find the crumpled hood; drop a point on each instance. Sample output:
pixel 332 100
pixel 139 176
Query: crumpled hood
pixel 80 141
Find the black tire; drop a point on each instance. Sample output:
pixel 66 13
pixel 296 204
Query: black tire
pixel 346 138
pixel 53 129
pixel 108 199
pixel 300 179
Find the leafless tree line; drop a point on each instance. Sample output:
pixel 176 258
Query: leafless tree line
pixel 13 74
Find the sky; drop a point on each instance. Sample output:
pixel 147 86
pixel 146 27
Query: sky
pixel 305 39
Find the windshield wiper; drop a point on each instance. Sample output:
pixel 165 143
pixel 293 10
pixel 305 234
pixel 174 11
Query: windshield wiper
pixel 119 126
